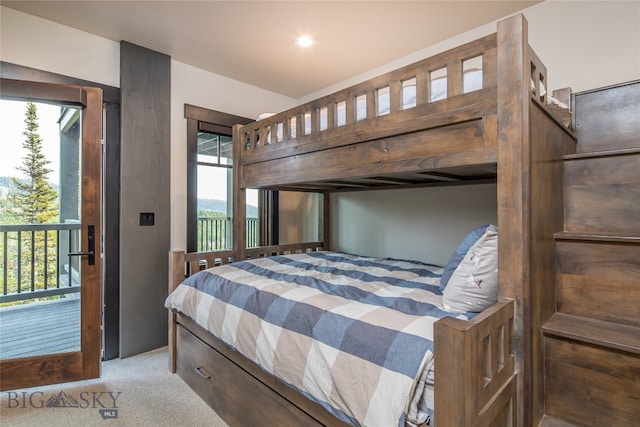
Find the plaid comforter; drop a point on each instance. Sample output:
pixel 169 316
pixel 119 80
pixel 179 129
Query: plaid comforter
pixel 353 334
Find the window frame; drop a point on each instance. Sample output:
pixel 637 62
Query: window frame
pixel 202 119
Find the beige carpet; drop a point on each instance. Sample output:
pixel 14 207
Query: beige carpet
pixel 136 391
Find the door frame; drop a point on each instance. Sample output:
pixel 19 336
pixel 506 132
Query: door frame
pixel 85 364
pixel 111 190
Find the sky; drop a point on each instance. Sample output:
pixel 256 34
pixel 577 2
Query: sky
pixel 12 125
pixel 212 184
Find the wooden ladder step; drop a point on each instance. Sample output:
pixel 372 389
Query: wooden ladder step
pixel 603 153
pixel 601 191
pixel 597 332
pixel 598 237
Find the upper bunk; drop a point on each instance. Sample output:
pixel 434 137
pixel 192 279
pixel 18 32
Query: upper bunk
pixel 432 122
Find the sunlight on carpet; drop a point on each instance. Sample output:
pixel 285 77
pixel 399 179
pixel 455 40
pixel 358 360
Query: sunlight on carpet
pixel 136 391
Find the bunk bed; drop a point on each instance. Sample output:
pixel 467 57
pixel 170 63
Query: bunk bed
pixel 476 113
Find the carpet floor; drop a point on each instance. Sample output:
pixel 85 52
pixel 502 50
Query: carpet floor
pixel 136 391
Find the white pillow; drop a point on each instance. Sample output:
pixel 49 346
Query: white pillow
pixel 473 286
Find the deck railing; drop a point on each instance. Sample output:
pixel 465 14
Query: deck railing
pixel 215 233
pixel 36 262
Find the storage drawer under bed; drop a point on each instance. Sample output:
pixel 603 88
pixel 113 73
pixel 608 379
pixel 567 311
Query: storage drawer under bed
pixel 239 398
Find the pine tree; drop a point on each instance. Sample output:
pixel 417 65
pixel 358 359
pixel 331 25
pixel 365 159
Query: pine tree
pixel 35 198
pixel 35 202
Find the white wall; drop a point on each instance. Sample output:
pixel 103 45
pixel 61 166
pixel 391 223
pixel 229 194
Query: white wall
pixel 45 45
pixel 584 44
pixel 299 217
pixel 424 224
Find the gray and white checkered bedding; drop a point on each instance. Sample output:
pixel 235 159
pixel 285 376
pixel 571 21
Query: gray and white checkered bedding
pixel 354 334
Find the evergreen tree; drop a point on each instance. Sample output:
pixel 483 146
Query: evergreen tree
pixel 35 198
pixel 34 201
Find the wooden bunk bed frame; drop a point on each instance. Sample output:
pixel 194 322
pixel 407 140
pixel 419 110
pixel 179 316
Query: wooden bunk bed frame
pixel 503 132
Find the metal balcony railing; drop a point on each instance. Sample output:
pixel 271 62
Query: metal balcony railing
pixel 36 262
pixel 215 233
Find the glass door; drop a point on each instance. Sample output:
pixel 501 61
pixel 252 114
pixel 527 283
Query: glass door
pixel 50 228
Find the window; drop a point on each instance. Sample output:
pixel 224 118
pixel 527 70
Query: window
pixel 214 188
pixel 210 183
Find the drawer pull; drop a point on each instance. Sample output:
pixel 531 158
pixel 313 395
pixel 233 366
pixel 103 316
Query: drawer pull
pixel 202 374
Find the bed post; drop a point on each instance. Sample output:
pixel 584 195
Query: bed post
pixel 326 217
pixel 176 276
pixel 514 160
pixel 239 197
pixel 475 376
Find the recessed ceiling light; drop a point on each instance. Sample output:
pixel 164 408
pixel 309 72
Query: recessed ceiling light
pixel 304 41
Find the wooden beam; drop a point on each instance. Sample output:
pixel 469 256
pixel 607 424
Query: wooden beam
pixel 514 75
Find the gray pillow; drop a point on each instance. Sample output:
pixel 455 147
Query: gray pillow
pixel 457 256
pixel 473 286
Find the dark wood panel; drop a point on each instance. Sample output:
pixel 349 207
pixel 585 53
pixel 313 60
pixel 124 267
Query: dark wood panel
pixel 605 299
pixel 215 117
pixel 8 70
pixel 600 280
pixel 111 248
pixel 606 208
pixel 601 261
pixel 443 147
pixel 503 411
pixel 603 194
pixel 34 91
pixel 480 380
pixel 590 386
pixel 463 108
pixel 609 118
pixel 513 191
pixel 41 370
pixel 613 169
pixel 604 334
pixel 240 400
pixel 549 143
pixel 91 214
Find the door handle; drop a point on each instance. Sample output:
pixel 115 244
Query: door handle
pixel 91 243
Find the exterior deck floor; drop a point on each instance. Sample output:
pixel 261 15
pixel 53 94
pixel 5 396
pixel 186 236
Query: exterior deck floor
pixel 40 328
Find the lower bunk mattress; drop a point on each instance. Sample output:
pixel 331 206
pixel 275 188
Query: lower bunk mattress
pixel 353 334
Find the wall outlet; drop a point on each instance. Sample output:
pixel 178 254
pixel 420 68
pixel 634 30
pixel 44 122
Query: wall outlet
pixel 147 218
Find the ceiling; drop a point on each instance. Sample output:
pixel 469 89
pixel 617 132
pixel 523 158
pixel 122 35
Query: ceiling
pixel 254 41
